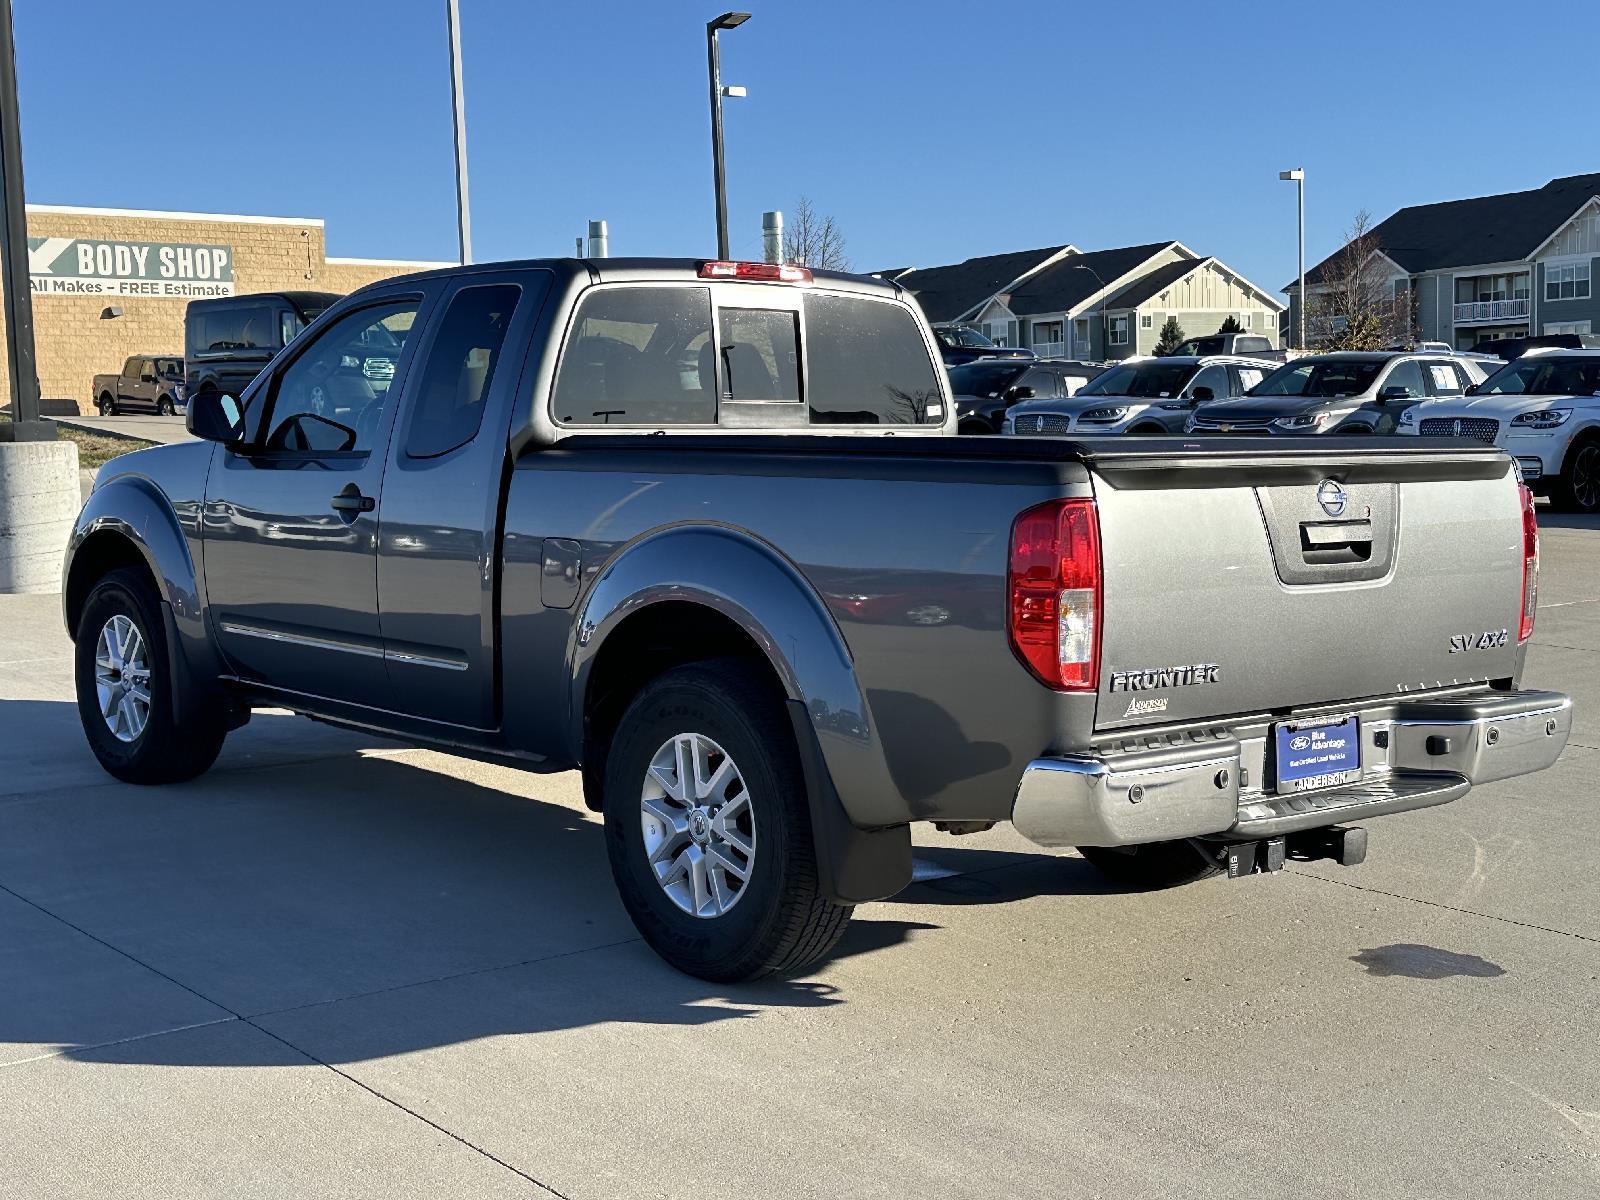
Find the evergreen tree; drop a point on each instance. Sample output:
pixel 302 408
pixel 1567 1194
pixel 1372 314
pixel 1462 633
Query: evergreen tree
pixel 1231 325
pixel 1172 337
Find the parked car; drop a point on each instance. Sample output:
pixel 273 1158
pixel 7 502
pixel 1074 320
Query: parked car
pixel 1511 349
pixel 1140 396
pixel 985 389
pixel 548 543
pixel 229 339
pixel 152 382
pixel 1346 392
pixel 1226 343
pixel 958 344
pixel 1543 410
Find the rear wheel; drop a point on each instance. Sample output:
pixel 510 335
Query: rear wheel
pixel 1578 488
pixel 1153 866
pixel 709 830
pixel 107 405
pixel 124 685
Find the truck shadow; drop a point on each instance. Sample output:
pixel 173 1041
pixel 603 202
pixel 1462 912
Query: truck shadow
pixel 359 905
pixel 978 876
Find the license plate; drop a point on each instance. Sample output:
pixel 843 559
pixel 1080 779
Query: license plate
pixel 1320 753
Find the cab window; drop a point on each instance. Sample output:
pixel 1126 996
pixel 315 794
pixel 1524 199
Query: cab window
pixel 760 350
pixel 639 356
pixel 460 366
pixel 867 364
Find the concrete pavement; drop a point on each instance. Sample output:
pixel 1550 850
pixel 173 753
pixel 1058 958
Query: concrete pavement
pixel 338 966
pixel 147 427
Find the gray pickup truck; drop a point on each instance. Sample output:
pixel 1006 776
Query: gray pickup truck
pixel 150 381
pixel 703 530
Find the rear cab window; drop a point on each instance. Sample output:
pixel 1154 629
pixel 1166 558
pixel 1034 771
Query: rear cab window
pixel 743 355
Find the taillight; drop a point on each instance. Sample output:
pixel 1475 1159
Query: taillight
pixel 1054 585
pixel 768 272
pixel 1530 565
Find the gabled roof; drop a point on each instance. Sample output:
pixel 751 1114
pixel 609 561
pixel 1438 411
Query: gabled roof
pixel 1062 286
pixel 1484 229
pixel 946 293
pixel 1149 286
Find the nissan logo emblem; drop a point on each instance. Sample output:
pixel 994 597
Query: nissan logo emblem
pixel 1332 497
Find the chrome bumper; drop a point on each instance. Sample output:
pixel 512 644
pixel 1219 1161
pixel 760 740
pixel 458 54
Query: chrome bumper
pixel 1416 753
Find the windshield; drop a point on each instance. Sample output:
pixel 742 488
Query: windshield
pixel 171 368
pixel 970 339
pixel 1545 377
pixel 984 378
pixel 1151 380
pixel 1310 378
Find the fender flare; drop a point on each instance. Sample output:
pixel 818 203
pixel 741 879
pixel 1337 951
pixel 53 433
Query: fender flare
pixel 859 818
pixel 132 508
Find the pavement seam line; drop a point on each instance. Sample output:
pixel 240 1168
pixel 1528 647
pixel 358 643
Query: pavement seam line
pixel 138 1037
pixel 1466 912
pixel 234 1016
pixel 411 1112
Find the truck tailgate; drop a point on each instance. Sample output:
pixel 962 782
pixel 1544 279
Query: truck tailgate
pixel 1259 579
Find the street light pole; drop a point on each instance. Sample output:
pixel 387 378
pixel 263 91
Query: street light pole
pixel 728 20
pixel 1298 175
pixel 458 104
pixel 25 425
pixel 1102 283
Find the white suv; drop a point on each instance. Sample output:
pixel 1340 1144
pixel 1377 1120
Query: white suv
pixel 1543 410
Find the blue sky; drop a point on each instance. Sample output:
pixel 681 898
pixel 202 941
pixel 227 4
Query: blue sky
pixel 930 131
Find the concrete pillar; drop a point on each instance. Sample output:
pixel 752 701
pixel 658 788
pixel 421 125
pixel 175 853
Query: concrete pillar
pixel 39 500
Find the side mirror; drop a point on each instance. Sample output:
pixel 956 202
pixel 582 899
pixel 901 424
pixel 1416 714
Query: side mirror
pixel 214 417
pixel 1019 393
pixel 1201 394
pixel 1391 394
pixel 1472 390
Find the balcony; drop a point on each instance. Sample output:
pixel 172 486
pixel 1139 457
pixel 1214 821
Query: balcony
pixel 1050 349
pixel 1483 311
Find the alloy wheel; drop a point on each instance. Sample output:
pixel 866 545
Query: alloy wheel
pixel 1586 477
pixel 122 678
pixel 699 826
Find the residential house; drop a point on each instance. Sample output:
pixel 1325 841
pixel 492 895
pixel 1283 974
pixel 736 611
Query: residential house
pixel 1492 267
pixel 1099 304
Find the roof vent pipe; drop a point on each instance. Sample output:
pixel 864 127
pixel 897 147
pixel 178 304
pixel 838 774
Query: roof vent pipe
pixel 772 237
pixel 599 240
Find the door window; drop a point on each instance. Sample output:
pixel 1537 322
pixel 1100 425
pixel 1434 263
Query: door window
pixel 1408 375
pixel 1043 384
pixel 330 398
pixel 1213 377
pixel 639 356
pixel 1249 377
pixel 449 404
pixel 760 350
pixel 1445 379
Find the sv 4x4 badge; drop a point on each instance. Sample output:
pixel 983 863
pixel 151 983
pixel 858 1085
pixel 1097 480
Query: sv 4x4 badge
pixel 1489 639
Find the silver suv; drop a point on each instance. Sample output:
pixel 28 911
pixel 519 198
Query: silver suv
pixel 1140 396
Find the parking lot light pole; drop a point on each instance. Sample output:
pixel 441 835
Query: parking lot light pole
pixel 728 20
pixel 25 425
pixel 458 105
pixel 1298 176
pixel 1102 283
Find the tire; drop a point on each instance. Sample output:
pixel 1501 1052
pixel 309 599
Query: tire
pixel 107 406
pixel 775 921
pixel 1577 490
pixel 156 750
pixel 165 407
pixel 1151 867
pixel 1357 431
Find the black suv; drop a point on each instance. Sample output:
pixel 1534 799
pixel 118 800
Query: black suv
pixel 983 390
pixel 228 340
pixel 958 345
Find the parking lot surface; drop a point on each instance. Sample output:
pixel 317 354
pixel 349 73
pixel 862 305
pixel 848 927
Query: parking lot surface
pixel 339 966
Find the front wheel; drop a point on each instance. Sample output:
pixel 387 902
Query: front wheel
pixel 1578 488
pixel 1153 866
pixel 124 685
pixel 709 830
pixel 165 407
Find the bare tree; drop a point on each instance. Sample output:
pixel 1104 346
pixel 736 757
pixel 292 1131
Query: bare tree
pixel 813 240
pixel 1355 306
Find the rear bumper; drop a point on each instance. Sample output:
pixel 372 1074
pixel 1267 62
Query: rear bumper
pixel 1416 753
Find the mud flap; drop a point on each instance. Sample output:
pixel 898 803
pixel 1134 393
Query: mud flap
pixel 854 865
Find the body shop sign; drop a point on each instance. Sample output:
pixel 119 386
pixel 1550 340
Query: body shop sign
pixel 91 267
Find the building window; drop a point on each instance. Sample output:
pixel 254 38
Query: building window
pixel 1569 281
pixel 1272 320
pixel 1117 328
pixel 1147 321
pixel 1579 327
pixel 1047 333
pixel 1248 320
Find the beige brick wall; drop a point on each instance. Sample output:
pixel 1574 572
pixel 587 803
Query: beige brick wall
pixel 74 343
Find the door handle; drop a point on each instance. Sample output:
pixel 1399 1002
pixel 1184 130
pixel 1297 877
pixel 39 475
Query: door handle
pixel 352 501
